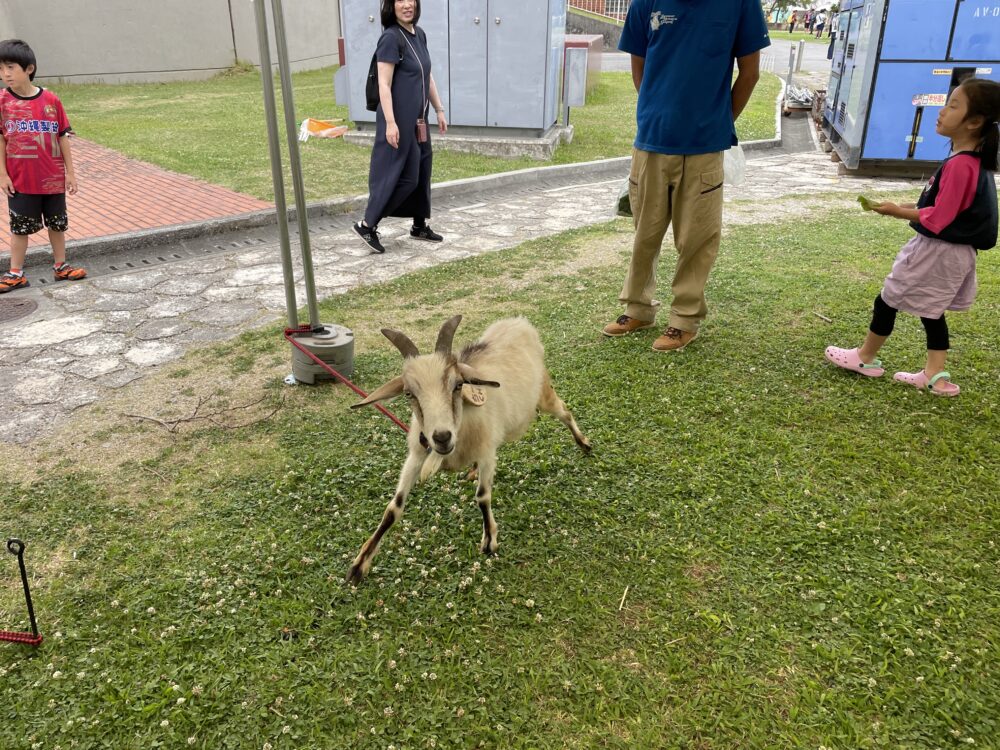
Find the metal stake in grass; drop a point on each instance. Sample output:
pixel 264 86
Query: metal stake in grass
pixel 16 547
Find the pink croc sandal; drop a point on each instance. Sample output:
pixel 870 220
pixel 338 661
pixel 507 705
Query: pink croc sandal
pixel 849 359
pixel 942 381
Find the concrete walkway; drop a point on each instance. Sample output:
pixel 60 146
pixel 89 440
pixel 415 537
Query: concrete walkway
pixel 70 344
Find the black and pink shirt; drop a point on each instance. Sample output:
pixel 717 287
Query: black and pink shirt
pixel 959 203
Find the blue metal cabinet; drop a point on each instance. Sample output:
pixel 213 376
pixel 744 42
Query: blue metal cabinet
pixel 917 30
pixel 977 31
pixel 893 69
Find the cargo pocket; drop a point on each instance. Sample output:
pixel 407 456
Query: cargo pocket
pixel 711 181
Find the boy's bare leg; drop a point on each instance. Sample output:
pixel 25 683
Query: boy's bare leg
pixel 18 249
pixel 58 242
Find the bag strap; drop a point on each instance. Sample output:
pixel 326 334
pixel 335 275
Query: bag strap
pixel 423 92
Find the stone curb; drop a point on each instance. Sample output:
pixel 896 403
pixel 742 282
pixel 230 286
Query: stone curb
pixel 80 250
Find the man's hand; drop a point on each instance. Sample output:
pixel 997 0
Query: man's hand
pixel 7 185
pixel 71 183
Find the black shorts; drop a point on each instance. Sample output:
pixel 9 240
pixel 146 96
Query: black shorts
pixel 27 210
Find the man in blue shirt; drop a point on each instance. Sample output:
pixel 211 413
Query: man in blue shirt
pixel 682 66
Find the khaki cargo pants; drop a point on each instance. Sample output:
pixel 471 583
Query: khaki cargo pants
pixel 685 191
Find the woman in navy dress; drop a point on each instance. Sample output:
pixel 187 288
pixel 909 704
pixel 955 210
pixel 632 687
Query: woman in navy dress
pixel 399 178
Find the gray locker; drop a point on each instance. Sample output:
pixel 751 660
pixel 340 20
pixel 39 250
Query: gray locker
pixel 497 63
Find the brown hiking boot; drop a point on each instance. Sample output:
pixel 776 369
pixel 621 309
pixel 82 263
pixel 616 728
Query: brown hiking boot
pixel 626 325
pixel 674 340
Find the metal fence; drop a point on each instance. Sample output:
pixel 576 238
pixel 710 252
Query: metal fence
pixel 611 8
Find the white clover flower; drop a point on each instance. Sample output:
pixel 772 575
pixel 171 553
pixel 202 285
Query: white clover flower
pixel 871 682
pixel 391 664
pixel 191 740
pixel 151 610
pixel 267 746
pixel 387 711
pixel 908 651
pixel 57 675
pixel 181 701
pixel 399 687
pixel 432 676
pixel 80 675
pixel 375 636
pixel 164 723
pixel 286 729
pixel 529 603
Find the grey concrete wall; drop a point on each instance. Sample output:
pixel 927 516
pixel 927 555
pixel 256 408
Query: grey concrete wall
pixel 120 41
pixel 579 23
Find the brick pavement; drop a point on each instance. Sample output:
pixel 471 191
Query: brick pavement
pixel 120 195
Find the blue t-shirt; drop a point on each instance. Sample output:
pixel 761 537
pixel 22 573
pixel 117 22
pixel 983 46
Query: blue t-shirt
pixel 685 99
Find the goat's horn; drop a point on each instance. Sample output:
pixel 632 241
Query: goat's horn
pixel 406 347
pixel 446 335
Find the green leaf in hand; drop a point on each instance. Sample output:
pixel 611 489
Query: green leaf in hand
pixel 866 204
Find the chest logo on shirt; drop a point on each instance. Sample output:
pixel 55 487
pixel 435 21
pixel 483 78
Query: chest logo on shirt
pixel 657 19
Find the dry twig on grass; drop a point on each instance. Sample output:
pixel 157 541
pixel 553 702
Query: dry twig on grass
pixel 172 425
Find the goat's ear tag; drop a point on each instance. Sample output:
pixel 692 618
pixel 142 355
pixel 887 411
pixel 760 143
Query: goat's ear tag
pixel 473 394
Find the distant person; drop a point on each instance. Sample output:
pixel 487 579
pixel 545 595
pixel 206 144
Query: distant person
pixel 810 18
pixel 955 217
pixel 820 23
pixel 37 170
pixel 399 177
pixel 684 123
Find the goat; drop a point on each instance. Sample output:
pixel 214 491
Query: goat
pixel 456 423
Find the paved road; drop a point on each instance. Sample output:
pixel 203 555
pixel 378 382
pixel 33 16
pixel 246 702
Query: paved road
pixel 145 308
pixel 774 58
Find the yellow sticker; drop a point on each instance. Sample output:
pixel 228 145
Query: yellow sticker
pixel 473 394
pixel 941 72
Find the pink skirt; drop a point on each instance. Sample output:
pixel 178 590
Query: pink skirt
pixel 930 276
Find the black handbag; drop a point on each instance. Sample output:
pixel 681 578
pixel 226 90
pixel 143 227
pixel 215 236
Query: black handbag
pixel 371 86
pixel 372 99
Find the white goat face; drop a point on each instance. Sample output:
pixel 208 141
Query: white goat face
pixel 433 385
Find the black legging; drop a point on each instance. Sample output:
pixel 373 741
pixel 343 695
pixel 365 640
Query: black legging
pixel 884 319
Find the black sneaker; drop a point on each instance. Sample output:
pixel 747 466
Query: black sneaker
pixel 425 233
pixel 369 236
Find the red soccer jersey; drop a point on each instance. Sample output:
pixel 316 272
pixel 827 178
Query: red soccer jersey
pixel 32 128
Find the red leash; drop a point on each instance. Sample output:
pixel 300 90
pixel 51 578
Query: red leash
pixel 290 332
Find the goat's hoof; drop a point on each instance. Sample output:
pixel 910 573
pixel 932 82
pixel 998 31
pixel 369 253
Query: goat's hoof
pixel 489 547
pixel 355 575
pixel 585 446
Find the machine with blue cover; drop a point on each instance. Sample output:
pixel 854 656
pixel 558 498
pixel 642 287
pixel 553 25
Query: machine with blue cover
pixel 894 64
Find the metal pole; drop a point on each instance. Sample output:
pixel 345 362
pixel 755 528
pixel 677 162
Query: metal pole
pixel 16 547
pixel 295 164
pixel 802 50
pixel 791 67
pixel 274 147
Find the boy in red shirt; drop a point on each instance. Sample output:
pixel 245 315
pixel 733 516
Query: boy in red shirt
pixel 38 169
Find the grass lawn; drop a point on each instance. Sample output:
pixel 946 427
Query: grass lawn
pixel 810 557
pixel 215 130
pixel 797 36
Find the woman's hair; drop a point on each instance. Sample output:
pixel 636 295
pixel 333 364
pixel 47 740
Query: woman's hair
pixel 984 101
pixel 389 13
pixel 16 51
